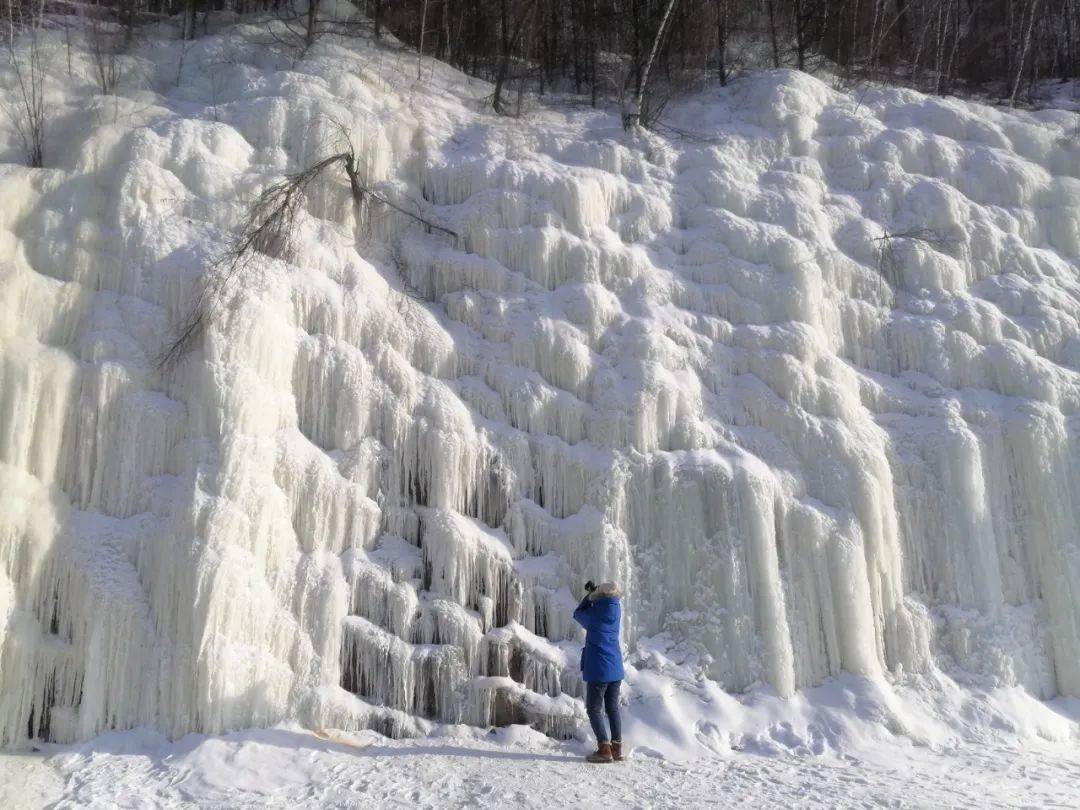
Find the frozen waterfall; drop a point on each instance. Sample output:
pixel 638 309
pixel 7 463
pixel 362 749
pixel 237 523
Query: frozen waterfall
pixel 808 385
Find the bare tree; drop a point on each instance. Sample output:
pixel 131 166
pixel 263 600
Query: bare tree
pixel 26 55
pixel 658 46
pixel 893 246
pixel 801 18
pixel 1025 46
pixel 774 35
pixel 940 46
pixel 639 112
pixel 723 29
pixel 420 41
pixel 105 46
pixel 511 33
pixel 191 8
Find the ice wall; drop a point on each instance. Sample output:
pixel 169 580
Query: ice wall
pixel 692 365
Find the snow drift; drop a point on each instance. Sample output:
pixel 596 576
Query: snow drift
pixel 807 382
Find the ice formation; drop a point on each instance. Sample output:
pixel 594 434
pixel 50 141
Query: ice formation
pixel 690 365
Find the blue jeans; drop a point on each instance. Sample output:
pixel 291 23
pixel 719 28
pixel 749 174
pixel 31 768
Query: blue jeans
pixel 600 699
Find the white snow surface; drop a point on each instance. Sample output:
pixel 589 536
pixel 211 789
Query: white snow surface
pixel 837 477
pixel 287 767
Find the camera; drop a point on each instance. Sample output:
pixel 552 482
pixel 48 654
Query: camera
pixel 590 586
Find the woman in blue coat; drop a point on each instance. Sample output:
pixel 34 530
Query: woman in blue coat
pixel 600 613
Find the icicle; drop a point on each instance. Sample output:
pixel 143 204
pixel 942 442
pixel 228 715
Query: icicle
pixel 808 392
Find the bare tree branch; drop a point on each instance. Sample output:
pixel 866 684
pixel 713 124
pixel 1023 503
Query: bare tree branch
pixel 270 227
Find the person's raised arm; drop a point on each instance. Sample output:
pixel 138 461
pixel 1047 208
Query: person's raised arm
pixel 582 615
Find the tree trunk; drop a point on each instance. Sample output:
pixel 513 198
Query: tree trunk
pixel 799 18
pixel 1025 47
pixel 773 36
pixel 721 39
pixel 190 8
pixel 420 41
pixel 509 43
pixel 635 51
pixel 633 118
pixel 312 21
pixel 575 44
pixel 592 50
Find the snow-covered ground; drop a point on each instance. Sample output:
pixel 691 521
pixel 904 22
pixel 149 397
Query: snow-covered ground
pixel 804 378
pixel 288 767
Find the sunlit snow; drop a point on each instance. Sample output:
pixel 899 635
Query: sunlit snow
pixel 690 364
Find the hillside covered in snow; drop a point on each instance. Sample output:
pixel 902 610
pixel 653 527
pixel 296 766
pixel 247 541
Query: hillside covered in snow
pixel 804 378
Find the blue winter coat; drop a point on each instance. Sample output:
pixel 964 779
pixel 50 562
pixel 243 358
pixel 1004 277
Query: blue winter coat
pixel 601 657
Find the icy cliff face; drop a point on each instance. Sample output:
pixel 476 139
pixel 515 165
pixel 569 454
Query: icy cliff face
pixel 691 365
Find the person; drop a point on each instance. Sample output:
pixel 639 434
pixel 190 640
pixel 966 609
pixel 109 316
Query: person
pixel 600 613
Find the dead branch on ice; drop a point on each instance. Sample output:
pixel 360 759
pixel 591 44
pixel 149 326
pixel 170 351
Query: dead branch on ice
pixel 270 228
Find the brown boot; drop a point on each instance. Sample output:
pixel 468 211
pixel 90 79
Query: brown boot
pixel 601 754
pixel 616 750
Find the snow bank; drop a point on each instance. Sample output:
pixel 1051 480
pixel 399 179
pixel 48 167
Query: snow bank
pixel 691 366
